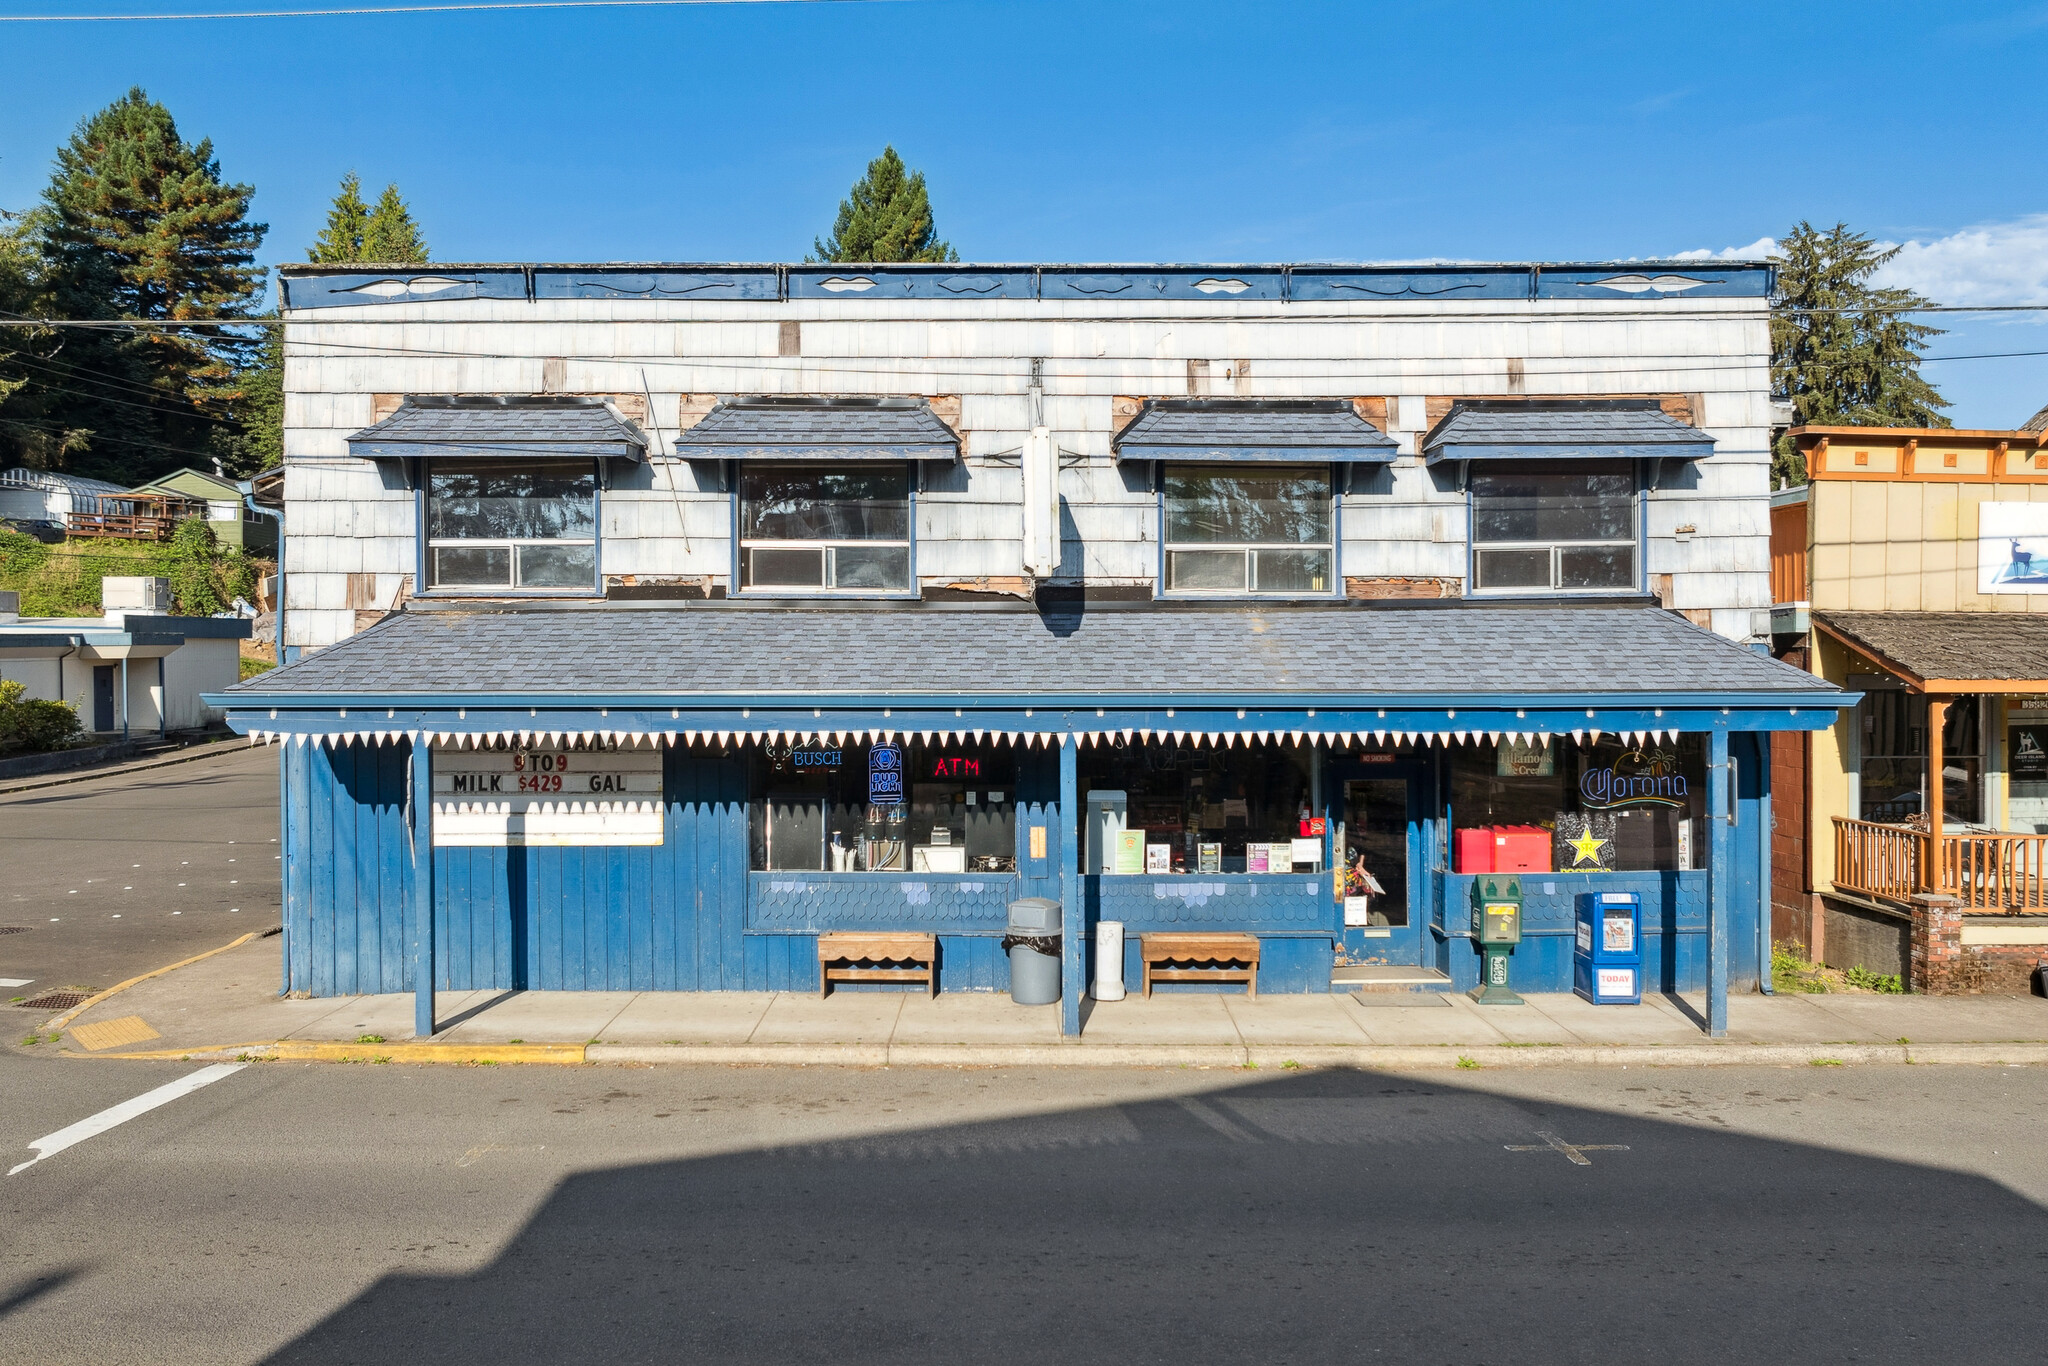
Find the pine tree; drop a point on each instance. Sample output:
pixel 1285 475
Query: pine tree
pixel 390 235
pixel 141 226
pixel 1842 349
pixel 29 434
pixel 341 241
pixel 886 217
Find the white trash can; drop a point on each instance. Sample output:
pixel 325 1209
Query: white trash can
pixel 1109 960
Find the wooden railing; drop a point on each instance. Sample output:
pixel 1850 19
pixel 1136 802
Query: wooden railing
pixel 1881 861
pixel 119 527
pixel 1987 872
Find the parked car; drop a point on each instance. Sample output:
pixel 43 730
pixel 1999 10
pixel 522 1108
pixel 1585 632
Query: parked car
pixel 49 533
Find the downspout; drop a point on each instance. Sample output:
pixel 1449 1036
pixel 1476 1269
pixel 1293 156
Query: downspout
pixel 1765 834
pixel 249 501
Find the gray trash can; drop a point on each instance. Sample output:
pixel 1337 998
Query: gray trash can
pixel 1033 944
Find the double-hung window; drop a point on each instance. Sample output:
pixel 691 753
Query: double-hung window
pixel 1250 529
pixel 516 525
pixel 1554 529
pixel 826 528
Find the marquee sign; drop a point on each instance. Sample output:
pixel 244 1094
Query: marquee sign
pixel 544 794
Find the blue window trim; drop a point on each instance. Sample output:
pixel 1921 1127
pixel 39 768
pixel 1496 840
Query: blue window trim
pixel 1640 506
pixel 733 589
pixel 1339 478
pixel 420 469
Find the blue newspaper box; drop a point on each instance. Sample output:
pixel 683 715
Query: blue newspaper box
pixel 1607 961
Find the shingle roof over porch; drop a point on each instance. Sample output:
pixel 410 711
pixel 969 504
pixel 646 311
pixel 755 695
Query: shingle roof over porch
pixel 1111 652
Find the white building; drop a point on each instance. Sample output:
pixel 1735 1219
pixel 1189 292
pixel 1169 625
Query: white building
pixel 996 352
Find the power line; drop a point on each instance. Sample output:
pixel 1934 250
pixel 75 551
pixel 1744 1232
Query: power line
pixel 391 9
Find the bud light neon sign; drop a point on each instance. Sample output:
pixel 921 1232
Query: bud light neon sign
pixel 885 774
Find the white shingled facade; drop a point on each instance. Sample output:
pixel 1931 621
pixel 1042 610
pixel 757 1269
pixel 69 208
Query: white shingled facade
pixel 1706 524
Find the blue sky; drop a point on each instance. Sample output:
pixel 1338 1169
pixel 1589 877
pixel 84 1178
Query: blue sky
pixel 1122 130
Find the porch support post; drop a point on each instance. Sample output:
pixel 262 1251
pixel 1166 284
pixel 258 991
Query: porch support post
pixel 1720 878
pixel 124 697
pixel 1073 904
pixel 1930 866
pixel 420 832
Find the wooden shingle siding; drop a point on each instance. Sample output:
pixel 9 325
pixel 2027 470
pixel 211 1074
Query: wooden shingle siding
pixel 1705 356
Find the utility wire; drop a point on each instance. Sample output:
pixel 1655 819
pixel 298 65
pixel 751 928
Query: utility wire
pixel 390 9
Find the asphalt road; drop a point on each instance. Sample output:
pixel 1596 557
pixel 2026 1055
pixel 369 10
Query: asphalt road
pixel 310 1213
pixel 106 878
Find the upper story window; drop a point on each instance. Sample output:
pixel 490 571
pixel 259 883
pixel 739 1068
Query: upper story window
pixel 828 528
pixel 1554 529
pixel 512 525
pixel 1249 529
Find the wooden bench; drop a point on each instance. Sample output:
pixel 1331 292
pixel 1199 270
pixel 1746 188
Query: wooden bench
pixel 890 958
pixel 1207 958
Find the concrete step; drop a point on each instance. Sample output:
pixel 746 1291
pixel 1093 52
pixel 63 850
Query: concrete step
pixel 1385 977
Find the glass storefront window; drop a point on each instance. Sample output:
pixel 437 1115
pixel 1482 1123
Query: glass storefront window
pixel 810 808
pixel 1892 772
pixel 1610 806
pixel 1549 529
pixel 524 524
pixel 833 528
pixel 1258 529
pixel 1201 810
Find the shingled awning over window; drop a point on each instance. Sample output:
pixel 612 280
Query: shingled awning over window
pixel 487 427
pixel 806 428
pixel 1563 429
pixel 1253 429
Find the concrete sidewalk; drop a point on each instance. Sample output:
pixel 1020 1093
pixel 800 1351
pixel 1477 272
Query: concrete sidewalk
pixel 228 1003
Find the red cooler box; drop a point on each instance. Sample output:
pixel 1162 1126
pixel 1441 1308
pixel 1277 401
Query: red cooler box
pixel 1520 849
pixel 1473 850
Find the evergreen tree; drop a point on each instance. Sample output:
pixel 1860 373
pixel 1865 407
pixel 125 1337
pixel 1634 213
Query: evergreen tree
pixel 390 235
pixel 30 433
pixel 886 217
pixel 341 240
pixel 1842 349
pixel 140 225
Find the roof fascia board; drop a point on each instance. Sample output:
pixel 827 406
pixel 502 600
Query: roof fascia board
pixel 473 450
pixel 1824 695
pixel 1346 455
pixel 754 450
pixel 1048 721
pixel 1577 450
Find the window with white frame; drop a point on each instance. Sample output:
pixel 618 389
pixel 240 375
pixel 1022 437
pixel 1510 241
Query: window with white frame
pixel 512 525
pixel 1249 529
pixel 827 528
pixel 1554 529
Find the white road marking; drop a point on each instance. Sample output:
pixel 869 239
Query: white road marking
pixel 52 1144
pixel 15 981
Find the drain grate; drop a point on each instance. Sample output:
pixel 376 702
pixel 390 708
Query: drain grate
pixel 13 929
pixel 57 1000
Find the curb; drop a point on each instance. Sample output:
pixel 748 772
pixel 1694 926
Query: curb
pixel 205 749
pixel 287 1050
pixel 68 1016
pixel 1394 1058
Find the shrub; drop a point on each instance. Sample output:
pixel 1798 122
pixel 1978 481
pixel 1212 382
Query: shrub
pixel 32 726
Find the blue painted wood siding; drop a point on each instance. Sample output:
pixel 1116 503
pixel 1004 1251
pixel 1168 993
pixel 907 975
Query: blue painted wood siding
pixel 671 917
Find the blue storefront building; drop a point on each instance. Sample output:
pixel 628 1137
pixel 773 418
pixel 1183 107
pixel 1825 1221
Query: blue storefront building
pixel 682 797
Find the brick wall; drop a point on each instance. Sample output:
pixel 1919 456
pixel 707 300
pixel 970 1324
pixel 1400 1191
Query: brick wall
pixel 1945 966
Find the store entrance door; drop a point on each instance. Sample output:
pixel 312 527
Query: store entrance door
pixel 1382 864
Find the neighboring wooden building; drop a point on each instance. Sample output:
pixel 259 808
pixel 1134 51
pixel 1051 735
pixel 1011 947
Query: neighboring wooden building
pixel 1905 571
pixel 236 524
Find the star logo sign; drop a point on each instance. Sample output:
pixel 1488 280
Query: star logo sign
pixel 1586 849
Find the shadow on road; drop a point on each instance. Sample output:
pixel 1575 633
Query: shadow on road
pixel 1309 1217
